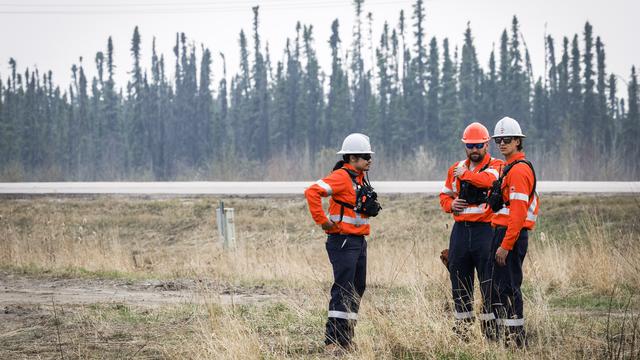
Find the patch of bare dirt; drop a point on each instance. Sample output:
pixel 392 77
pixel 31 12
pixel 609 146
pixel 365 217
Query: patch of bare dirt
pixel 25 290
pixel 79 318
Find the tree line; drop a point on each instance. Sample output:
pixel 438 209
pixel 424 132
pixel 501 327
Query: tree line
pixel 415 97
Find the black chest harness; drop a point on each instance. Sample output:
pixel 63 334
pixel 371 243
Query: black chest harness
pixel 366 199
pixel 470 193
pixel 495 199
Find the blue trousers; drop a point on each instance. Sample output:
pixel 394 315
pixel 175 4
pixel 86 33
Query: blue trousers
pixel 469 252
pixel 348 256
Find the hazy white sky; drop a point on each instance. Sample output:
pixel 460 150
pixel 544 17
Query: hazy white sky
pixel 53 34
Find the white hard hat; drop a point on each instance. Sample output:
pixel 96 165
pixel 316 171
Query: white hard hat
pixel 356 143
pixel 507 127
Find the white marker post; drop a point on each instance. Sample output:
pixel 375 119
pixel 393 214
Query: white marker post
pixel 226 226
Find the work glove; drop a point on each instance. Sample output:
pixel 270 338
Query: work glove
pixel 459 170
pixel 444 257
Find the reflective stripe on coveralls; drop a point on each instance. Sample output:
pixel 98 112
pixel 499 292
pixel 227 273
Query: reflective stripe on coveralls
pixel 338 185
pixel 343 315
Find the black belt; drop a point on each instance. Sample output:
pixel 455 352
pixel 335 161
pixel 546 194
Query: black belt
pixel 473 223
pixel 349 235
pixel 504 227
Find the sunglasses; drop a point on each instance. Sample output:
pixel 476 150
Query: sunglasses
pixel 507 140
pixel 366 157
pixel 477 146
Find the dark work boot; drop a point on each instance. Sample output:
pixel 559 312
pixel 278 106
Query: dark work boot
pixel 489 329
pixel 462 328
pixel 516 337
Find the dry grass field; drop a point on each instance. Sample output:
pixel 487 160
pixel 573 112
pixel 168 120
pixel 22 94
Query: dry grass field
pixel 178 295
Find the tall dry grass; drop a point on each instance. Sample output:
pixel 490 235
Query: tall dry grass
pixel 584 250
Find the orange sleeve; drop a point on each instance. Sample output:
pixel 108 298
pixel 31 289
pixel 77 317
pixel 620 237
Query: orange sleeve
pixel 483 179
pixel 328 186
pixel 520 187
pixel 446 194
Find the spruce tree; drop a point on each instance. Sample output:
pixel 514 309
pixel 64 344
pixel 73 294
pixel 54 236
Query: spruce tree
pixel 575 92
pixel 259 128
pixel 555 97
pixel 241 100
pixel 489 98
pixel 381 128
pixel 97 110
pixel 4 127
pixel 590 118
pixel 313 94
pixel 562 99
pixel 280 121
pixel 205 110
pixel 552 75
pixel 407 121
pixel 159 100
pixel 613 110
pixel 74 126
pixel 28 130
pixel 604 125
pixel 114 152
pixel 358 86
pixel 294 130
pixel 504 77
pixel 631 130
pixel 418 98
pixel 469 80
pixel 449 105
pixel 540 115
pixel 397 110
pixel 136 128
pixel 338 119
pixel 220 129
pixel 518 79
pixel 433 93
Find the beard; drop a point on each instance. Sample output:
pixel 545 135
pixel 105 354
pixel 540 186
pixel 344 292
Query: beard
pixel 476 157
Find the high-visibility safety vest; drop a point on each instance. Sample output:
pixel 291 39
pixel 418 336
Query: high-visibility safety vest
pixel 478 178
pixel 521 202
pixel 339 186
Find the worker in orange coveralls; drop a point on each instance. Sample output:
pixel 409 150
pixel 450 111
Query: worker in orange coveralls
pixel 352 201
pixel 516 205
pixel 464 194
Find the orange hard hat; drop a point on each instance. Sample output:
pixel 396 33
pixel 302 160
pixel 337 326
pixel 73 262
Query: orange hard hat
pixel 475 133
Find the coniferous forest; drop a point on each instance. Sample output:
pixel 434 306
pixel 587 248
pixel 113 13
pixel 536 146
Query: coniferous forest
pixel 285 119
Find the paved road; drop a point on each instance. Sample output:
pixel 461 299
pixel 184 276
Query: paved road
pixel 281 188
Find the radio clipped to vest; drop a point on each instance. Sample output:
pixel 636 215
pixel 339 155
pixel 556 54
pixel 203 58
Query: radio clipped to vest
pixel 471 194
pixel 494 199
pixel 366 198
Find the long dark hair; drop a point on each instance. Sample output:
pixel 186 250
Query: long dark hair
pixel 340 164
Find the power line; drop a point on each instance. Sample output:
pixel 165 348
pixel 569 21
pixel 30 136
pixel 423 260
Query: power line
pixel 178 4
pixel 169 8
pixel 201 3
pixel 84 4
